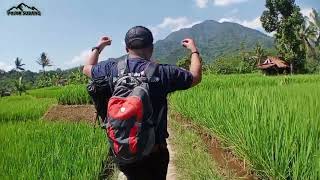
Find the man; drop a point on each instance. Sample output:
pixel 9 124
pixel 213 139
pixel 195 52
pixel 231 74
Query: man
pixel 139 46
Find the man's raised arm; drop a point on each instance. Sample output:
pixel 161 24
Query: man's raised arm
pixel 93 57
pixel 196 66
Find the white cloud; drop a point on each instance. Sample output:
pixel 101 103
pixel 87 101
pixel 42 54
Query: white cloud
pixel 226 20
pixel 170 24
pixel 5 66
pixel 176 24
pixel 306 12
pixel 227 2
pixel 173 24
pixel 80 59
pixel 202 3
pixel 254 23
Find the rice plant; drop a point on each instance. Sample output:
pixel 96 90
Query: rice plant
pixel 47 150
pixel 49 92
pixel 74 94
pixel 67 95
pixel 20 108
pixel 270 122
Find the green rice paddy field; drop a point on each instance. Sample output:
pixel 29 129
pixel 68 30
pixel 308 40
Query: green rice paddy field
pixel 271 122
pixel 32 148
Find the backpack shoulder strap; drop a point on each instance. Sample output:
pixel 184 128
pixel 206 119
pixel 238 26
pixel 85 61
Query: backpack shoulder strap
pixel 122 66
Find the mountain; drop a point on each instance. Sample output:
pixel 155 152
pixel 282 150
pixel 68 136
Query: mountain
pixel 213 40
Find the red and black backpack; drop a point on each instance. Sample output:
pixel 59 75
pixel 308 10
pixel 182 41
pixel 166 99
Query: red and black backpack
pixel 123 103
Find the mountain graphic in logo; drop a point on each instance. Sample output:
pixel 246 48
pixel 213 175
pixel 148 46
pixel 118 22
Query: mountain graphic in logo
pixel 23 10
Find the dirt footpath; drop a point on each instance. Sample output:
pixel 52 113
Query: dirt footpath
pixel 73 113
pixel 171 175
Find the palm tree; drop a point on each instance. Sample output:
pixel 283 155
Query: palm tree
pixel 315 23
pixel 18 64
pixel 44 61
pixel 307 34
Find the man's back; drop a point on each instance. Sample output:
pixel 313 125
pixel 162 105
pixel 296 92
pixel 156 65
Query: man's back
pixel 170 79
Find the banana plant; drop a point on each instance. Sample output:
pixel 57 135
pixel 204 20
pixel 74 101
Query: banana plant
pixel 20 87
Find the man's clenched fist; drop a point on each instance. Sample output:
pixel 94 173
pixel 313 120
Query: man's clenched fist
pixel 189 44
pixel 104 41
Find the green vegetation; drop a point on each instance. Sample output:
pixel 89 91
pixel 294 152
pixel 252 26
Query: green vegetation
pixel 241 61
pixel 47 150
pixel 33 80
pixel 36 149
pixel 231 64
pixel 20 87
pixel 212 82
pixel 22 108
pixel 310 34
pixel 74 94
pixel 44 62
pixel 49 92
pixel 191 159
pixel 284 18
pixel 67 95
pixel 184 62
pixel 18 64
pixel 297 37
pixel 271 122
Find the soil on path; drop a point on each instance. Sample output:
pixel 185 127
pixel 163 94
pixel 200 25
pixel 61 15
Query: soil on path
pixel 73 113
pixel 172 173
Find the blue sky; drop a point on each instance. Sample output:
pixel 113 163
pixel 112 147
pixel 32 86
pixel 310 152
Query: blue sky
pixel 68 29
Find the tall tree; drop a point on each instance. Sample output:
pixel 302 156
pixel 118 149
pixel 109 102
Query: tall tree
pixel 315 23
pixel 44 61
pixel 18 64
pixel 284 18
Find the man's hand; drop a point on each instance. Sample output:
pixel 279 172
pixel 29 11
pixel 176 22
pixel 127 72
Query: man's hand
pixel 189 44
pixel 104 41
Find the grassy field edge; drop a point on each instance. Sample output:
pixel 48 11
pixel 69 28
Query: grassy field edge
pixel 191 159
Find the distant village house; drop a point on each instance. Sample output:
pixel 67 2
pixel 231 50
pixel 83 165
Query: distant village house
pixel 274 66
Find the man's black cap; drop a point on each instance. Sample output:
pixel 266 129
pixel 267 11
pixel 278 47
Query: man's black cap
pixel 139 37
